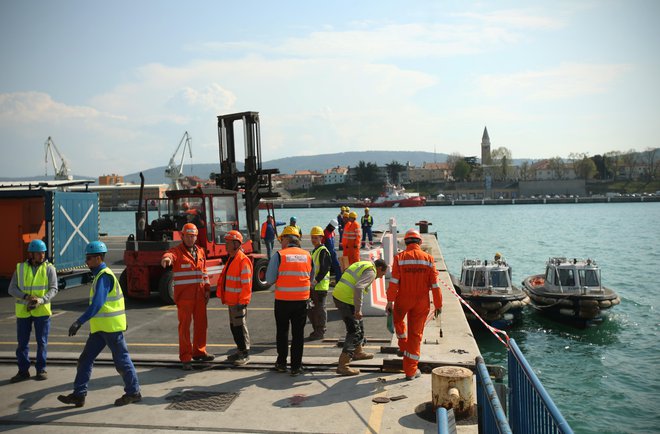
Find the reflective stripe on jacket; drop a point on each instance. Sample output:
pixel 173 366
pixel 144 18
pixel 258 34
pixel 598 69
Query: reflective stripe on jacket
pixel 367 221
pixel 235 283
pixel 112 315
pixel 293 275
pixel 324 284
pixel 32 284
pixel 413 276
pixel 189 276
pixel 351 238
pixel 346 286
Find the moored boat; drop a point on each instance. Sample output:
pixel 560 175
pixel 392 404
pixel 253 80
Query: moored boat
pixel 487 287
pixel 397 197
pixel 570 290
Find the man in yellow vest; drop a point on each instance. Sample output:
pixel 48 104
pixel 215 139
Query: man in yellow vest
pixel 107 323
pixel 290 272
pixel 317 314
pixel 33 285
pixel 348 293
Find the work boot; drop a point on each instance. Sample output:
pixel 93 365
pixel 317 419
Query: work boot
pixel 21 376
pixel 242 357
pixel 359 354
pixel 186 366
pixel 280 367
pixel 77 400
pixel 297 371
pixel 41 375
pixel 342 366
pixel 417 374
pixel 128 399
pixel 315 336
pixel 206 357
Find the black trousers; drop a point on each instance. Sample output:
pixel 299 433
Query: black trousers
pixel 294 313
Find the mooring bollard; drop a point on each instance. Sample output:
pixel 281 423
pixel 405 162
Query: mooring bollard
pixel 423 226
pixel 453 387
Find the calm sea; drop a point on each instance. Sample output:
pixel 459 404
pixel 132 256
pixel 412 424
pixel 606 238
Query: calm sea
pixel 605 379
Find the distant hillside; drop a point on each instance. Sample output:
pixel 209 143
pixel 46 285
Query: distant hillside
pixel 306 162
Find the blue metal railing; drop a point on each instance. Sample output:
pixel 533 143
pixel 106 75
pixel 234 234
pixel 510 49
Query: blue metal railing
pixel 442 420
pixel 531 410
pixel 490 414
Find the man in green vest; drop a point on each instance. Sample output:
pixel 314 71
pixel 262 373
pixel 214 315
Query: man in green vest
pixel 317 314
pixel 107 323
pixel 348 293
pixel 33 285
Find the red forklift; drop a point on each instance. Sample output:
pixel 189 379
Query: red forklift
pixel 232 204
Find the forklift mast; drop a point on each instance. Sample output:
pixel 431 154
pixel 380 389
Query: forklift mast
pixel 254 181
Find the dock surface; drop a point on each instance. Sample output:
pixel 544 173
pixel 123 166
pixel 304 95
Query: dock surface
pixel 217 397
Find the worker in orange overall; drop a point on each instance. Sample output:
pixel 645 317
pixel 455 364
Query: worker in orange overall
pixel 191 295
pixel 413 276
pixel 235 290
pixel 351 240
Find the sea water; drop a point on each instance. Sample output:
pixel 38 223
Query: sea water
pixel 604 379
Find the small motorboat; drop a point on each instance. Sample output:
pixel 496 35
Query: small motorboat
pixel 570 291
pixel 397 197
pixel 487 287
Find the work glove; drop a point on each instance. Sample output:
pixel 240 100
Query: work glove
pixel 310 304
pixel 74 328
pixel 388 307
pixel 437 313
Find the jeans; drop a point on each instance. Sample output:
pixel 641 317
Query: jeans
pixel 366 233
pixel 336 268
pixel 354 327
pixel 23 330
pixel 96 342
pixel 270 245
pixel 292 312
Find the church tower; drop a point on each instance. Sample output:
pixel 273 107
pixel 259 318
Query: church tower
pixel 485 148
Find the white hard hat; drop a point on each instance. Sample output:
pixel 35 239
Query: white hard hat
pixel 334 223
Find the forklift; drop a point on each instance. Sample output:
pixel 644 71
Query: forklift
pixel 232 204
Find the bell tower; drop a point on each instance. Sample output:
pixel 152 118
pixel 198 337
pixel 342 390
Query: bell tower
pixel 485 148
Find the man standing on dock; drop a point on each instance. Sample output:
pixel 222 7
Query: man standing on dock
pixel 269 233
pixel 351 240
pixel 367 222
pixel 191 295
pixel 413 276
pixel 318 315
pixel 348 295
pixel 33 285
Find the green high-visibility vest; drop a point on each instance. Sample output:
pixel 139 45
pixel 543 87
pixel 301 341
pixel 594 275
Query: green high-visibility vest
pixel 345 288
pixel 31 283
pixel 112 316
pixel 324 284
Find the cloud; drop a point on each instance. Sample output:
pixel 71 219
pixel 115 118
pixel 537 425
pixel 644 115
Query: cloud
pixel 566 81
pixel 28 107
pixel 516 19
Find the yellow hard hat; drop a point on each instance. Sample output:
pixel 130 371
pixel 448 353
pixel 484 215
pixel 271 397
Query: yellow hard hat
pixel 366 209
pixel 498 255
pixel 343 208
pixel 352 215
pixel 290 230
pixel 317 230
pixel 348 208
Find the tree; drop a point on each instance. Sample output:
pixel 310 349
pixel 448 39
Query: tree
pixel 585 168
pixel 525 171
pixel 613 162
pixel 558 167
pixel 452 160
pixel 393 170
pixel 461 170
pixel 501 161
pixel 366 173
pixel 601 167
pixel 630 162
pixel 651 163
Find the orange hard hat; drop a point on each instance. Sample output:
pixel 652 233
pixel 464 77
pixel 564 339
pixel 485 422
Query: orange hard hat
pixel 234 236
pixel 412 233
pixel 190 229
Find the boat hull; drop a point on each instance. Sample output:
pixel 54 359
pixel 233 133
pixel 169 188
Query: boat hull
pixel 401 203
pixel 573 308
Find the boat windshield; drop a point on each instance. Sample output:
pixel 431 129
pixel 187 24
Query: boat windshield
pixel 499 278
pixel 474 278
pixel 588 277
pixel 566 276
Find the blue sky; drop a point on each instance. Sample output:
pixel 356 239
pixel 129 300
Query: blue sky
pixel 117 83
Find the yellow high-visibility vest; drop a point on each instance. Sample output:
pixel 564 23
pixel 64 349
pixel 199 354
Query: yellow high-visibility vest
pixel 32 284
pixel 112 315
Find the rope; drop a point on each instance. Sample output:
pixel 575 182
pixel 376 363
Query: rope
pixel 495 331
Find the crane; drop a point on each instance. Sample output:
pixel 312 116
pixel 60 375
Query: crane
pixel 175 171
pixel 63 172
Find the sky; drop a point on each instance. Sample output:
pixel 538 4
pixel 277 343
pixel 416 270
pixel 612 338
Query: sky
pixel 117 83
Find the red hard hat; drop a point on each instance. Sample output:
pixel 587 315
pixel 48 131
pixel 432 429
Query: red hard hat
pixel 189 228
pixel 234 236
pixel 412 233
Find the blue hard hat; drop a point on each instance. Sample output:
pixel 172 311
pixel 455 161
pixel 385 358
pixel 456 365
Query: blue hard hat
pixel 293 218
pixel 37 246
pixel 96 247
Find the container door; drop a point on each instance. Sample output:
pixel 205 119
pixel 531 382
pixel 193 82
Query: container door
pixel 75 222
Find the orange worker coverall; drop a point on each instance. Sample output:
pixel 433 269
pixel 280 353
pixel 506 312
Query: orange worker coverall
pixel 191 294
pixel 350 241
pixel 235 283
pixel 413 276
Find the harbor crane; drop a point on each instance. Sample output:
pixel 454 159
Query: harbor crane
pixel 63 172
pixel 173 170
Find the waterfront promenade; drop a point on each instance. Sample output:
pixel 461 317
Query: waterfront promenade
pixel 256 398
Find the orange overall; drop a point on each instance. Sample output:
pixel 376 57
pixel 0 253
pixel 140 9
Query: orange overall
pixel 413 276
pixel 350 242
pixel 191 293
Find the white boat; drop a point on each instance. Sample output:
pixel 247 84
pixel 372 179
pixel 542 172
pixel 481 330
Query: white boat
pixel 396 196
pixel 486 286
pixel 571 290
